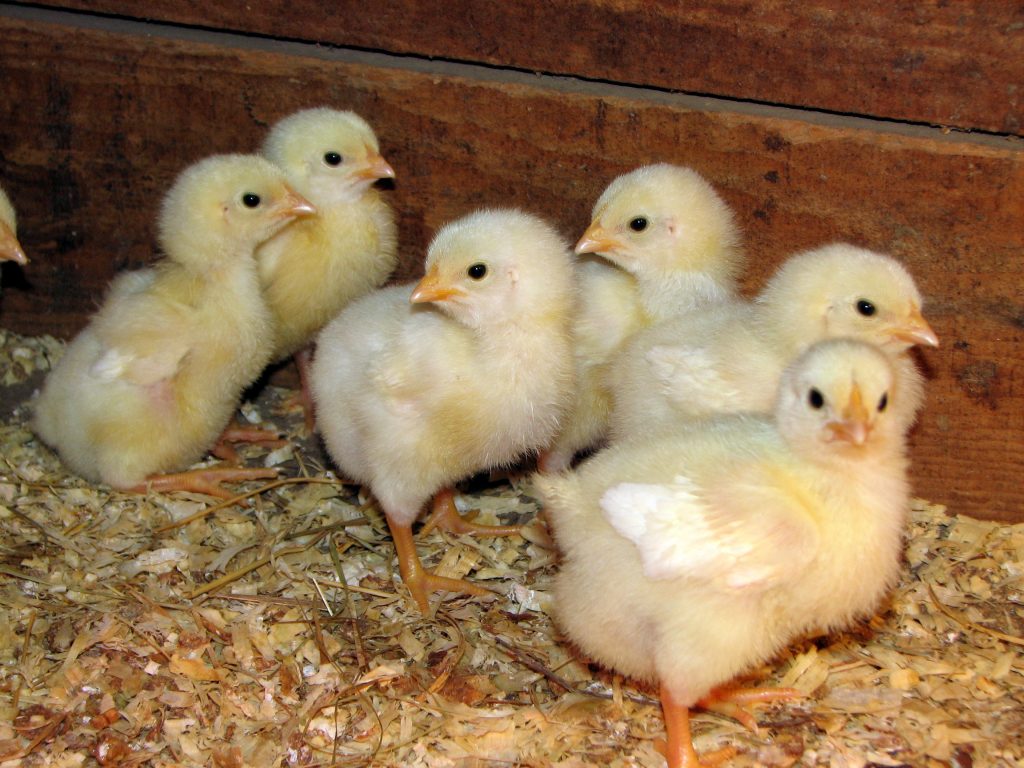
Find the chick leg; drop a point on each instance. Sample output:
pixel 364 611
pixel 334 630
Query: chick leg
pixel 553 461
pixel 445 515
pixel 419 581
pixel 304 397
pixel 303 361
pixel 679 749
pixel 206 481
pixel 733 702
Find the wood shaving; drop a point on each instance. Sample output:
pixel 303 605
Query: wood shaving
pixel 174 631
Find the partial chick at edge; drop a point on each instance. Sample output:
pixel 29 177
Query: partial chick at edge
pixel 311 270
pixel 150 383
pixel 691 558
pixel 661 242
pixel 10 248
pixel 729 357
pixel 419 387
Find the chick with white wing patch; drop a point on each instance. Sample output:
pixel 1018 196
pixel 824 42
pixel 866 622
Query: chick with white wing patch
pixel 147 387
pixel 691 558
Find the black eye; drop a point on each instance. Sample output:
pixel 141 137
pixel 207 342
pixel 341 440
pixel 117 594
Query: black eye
pixel 865 307
pixel 816 399
pixel 332 158
pixel 883 402
pixel 477 271
pixel 249 200
pixel 639 224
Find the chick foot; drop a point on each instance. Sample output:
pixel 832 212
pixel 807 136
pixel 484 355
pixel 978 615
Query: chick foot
pixel 419 581
pixel 678 749
pixel 734 702
pixel 445 515
pixel 234 433
pixel 206 481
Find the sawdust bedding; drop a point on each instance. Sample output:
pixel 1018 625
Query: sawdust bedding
pixel 173 631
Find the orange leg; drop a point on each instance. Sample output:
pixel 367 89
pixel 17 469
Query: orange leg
pixel 420 581
pixel 733 702
pixel 678 749
pixel 203 481
pixel 446 516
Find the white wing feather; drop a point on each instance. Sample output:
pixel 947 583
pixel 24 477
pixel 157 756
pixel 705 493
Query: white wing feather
pixel 678 533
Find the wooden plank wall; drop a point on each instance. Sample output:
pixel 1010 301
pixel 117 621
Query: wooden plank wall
pixel 896 126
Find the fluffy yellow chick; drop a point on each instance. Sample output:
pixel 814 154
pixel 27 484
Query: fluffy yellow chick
pixel 149 384
pixel 668 243
pixel 729 357
pixel 690 559
pixel 312 269
pixel 10 248
pixel 419 387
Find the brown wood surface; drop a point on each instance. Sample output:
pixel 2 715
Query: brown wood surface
pixel 94 126
pixel 946 62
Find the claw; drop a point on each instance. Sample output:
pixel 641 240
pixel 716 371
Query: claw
pixel 445 515
pixel 206 481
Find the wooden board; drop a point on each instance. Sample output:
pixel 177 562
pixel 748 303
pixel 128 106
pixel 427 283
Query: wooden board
pixel 96 124
pixel 955 63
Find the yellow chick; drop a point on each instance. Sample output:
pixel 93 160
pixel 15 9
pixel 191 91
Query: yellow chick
pixel 149 384
pixel 419 387
pixel 729 357
pixel 312 269
pixel 668 244
pixel 692 558
pixel 10 248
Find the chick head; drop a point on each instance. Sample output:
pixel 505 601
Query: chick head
pixel 329 155
pixel 841 290
pixel 664 218
pixel 497 267
pixel 10 248
pixel 837 398
pixel 223 207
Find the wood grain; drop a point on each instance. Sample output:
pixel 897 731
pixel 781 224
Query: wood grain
pixel 946 62
pixel 95 125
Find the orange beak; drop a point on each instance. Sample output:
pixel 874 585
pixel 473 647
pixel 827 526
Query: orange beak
pixel 916 330
pixel 376 168
pixel 596 240
pixel 10 248
pixel 293 204
pixel 431 288
pixel 854 426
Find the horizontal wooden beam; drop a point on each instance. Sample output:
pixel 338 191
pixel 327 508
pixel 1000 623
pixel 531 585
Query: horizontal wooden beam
pixel 958 63
pixel 97 122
